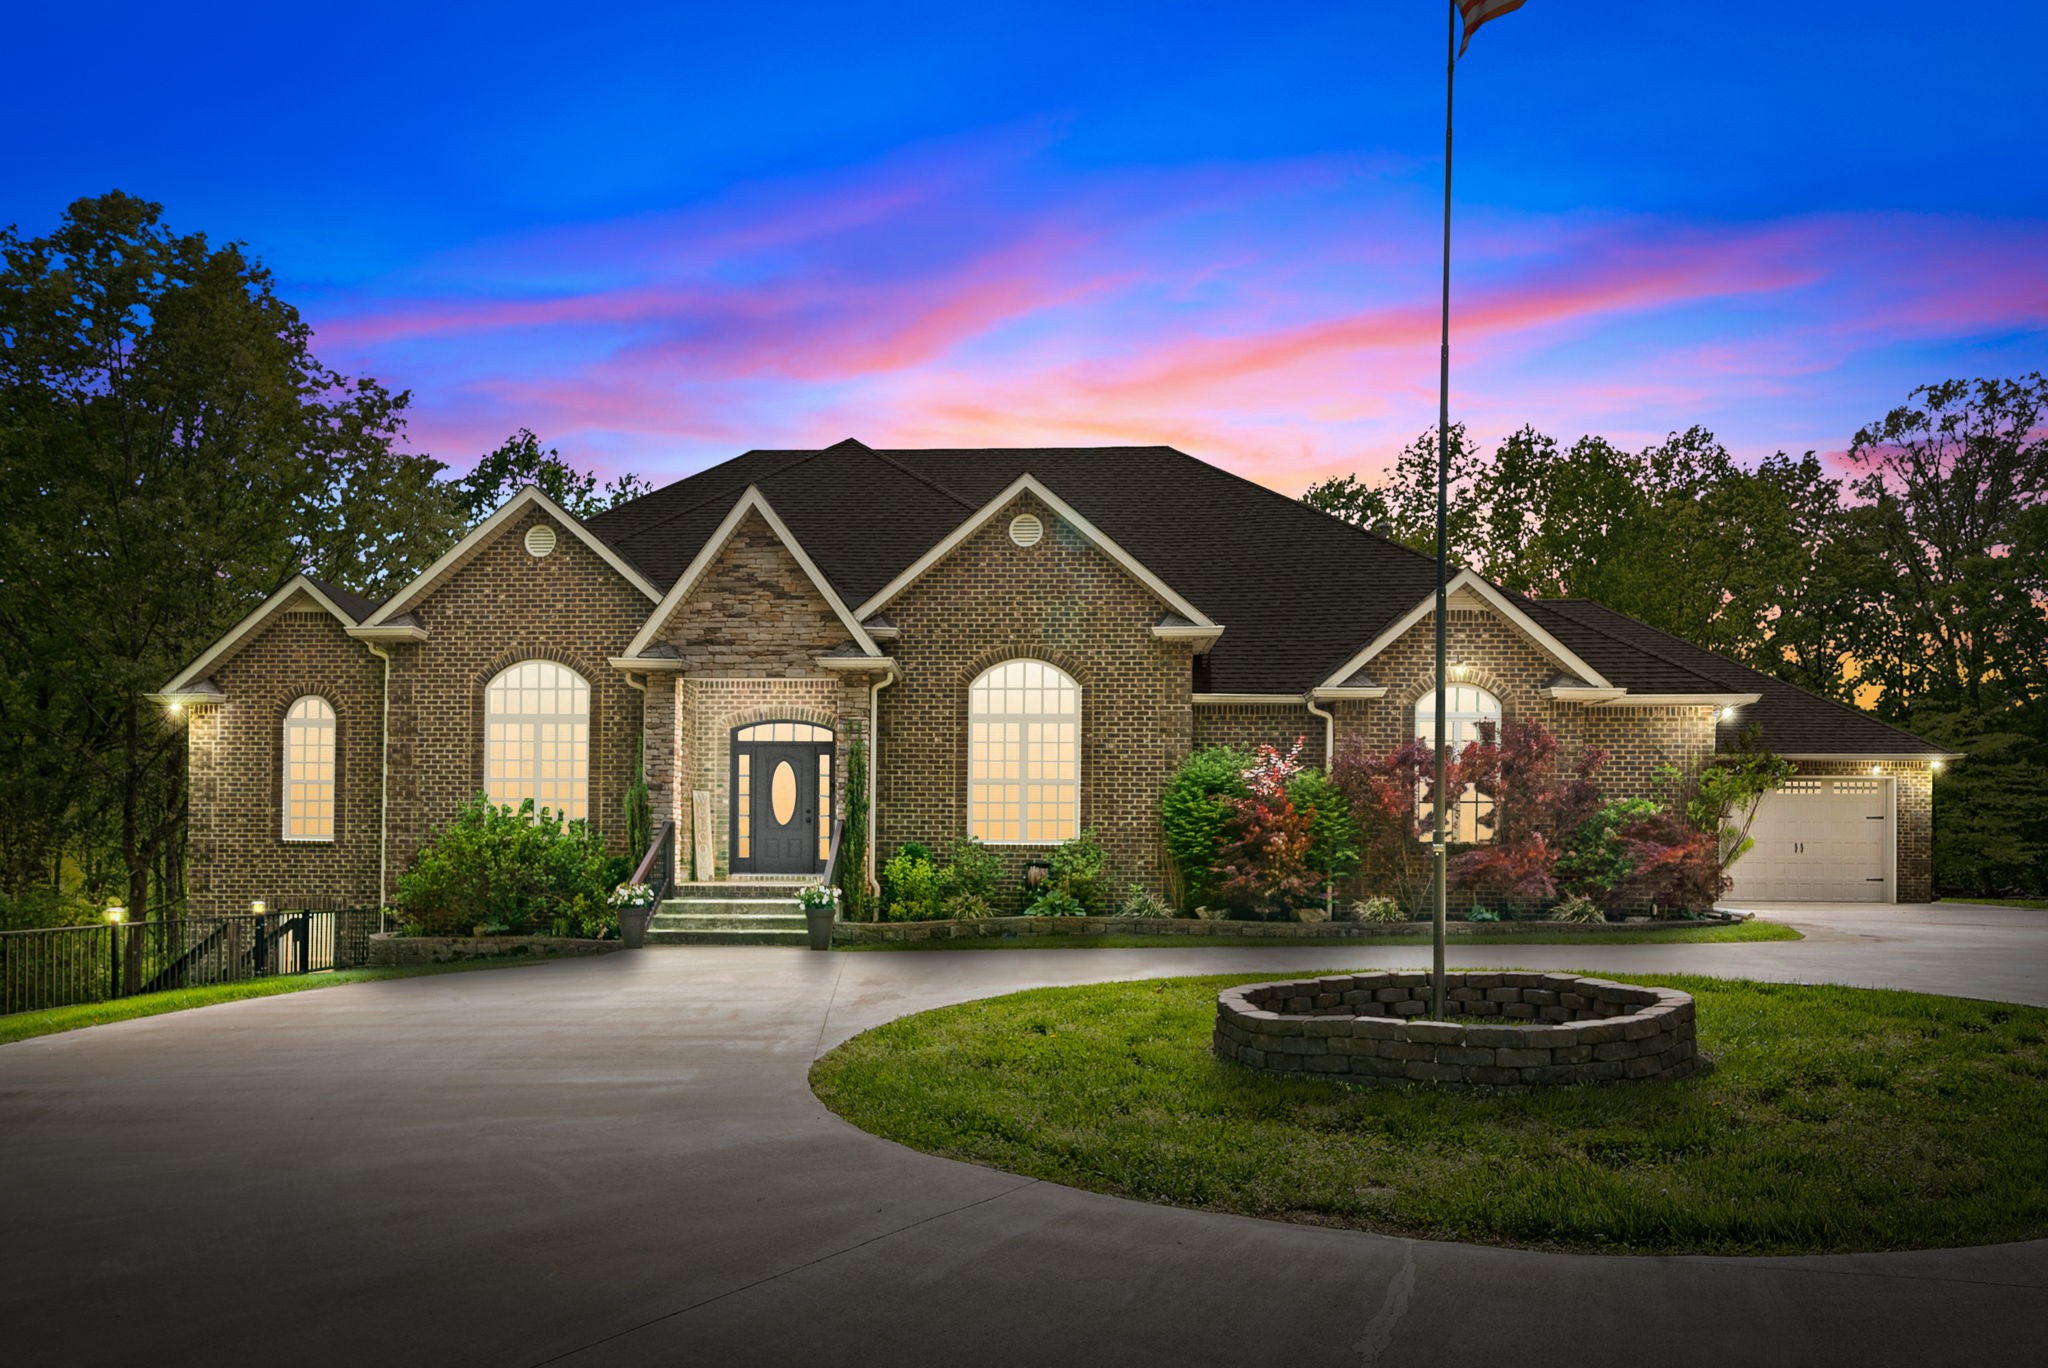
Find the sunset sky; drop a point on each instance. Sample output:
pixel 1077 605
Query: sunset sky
pixel 661 237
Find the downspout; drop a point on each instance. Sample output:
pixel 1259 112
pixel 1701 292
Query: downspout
pixel 1329 760
pixel 874 768
pixel 383 792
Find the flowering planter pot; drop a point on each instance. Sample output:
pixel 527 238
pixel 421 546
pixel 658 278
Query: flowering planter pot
pixel 820 920
pixel 633 924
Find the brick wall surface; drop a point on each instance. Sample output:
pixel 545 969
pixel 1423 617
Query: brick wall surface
pixel 237 850
pixel 1061 601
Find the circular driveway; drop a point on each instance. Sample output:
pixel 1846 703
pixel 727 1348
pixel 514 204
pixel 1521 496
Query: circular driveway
pixel 619 1161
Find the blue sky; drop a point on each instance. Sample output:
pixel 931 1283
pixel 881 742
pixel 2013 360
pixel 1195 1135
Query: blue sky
pixel 662 235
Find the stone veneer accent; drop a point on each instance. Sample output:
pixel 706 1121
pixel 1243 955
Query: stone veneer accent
pixel 1555 1030
pixel 1061 601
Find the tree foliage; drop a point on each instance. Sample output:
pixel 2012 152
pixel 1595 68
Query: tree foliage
pixel 172 452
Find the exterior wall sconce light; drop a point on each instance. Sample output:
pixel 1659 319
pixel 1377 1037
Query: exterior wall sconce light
pixel 1459 671
pixel 174 708
pixel 1935 766
pixel 1877 769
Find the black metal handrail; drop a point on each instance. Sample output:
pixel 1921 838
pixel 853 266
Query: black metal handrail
pixel 658 866
pixel 63 965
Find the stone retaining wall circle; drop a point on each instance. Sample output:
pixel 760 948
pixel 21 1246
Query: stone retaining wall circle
pixel 1538 1030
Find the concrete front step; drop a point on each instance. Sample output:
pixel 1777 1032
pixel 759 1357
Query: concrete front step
pixel 709 935
pixel 726 889
pixel 728 921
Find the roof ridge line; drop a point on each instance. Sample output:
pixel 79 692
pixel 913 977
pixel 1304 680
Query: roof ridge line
pixel 712 499
pixel 888 460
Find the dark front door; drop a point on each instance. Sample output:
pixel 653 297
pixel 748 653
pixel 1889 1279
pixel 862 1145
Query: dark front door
pixel 775 807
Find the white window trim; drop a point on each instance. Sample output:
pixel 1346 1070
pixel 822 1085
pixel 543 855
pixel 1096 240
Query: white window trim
pixel 327 724
pixel 533 782
pixel 1468 798
pixel 1080 707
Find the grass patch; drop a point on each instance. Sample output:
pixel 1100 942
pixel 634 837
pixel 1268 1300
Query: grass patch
pixel 1836 1119
pixel 1999 902
pixel 1680 934
pixel 27 1025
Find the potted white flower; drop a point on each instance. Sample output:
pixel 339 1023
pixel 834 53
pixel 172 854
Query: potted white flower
pixel 635 902
pixel 821 908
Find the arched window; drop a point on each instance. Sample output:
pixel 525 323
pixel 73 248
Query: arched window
pixel 1024 754
pixel 537 738
pixel 1469 706
pixel 309 770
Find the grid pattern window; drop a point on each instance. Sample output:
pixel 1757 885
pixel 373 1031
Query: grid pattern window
pixel 537 738
pixel 309 771
pixel 1024 755
pixel 1471 818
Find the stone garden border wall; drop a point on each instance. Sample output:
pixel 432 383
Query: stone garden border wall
pixel 387 950
pixel 871 933
pixel 1554 1030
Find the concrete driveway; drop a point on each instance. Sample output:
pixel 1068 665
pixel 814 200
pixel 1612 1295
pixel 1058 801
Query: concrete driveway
pixel 618 1161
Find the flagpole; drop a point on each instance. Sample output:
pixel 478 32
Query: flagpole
pixel 1438 849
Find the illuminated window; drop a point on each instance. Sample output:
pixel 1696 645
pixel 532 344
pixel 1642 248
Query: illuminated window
pixel 1024 754
pixel 1470 818
pixel 537 738
pixel 309 771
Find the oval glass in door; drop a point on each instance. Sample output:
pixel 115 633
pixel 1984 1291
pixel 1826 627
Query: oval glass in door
pixel 782 793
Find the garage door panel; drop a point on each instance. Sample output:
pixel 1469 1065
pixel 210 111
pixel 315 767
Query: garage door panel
pixel 1819 840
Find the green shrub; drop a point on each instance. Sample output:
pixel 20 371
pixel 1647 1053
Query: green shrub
pixel 1594 860
pixel 1580 909
pixel 1195 809
pixel 1378 909
pixel 1476 913
pixel 1334 836
pixel 509 871
pixel 1140 901
pixel 910 884
pixel 1077 870
pixel 971 868
pixel 1056 902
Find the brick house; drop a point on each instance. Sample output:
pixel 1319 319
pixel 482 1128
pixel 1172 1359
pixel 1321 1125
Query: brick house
pixel 1032 639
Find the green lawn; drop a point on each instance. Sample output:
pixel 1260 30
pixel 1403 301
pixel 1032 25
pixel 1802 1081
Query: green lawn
pixel 1676 934
pixel 24 1025
pixel 1836 1119
pixel 2000 902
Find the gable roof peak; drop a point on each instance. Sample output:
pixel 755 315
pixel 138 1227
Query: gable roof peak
pixel 846 444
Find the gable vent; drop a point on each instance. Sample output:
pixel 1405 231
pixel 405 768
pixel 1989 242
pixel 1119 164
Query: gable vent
pixel 1026 529
pixel 540 539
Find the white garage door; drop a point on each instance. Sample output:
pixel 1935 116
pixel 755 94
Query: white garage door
pixel 1819 840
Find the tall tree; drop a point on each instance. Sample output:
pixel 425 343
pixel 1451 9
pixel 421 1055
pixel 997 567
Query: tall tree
pixel 520 461
pixel 171 452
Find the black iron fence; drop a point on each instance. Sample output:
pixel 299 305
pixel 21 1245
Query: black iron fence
pixel 61 966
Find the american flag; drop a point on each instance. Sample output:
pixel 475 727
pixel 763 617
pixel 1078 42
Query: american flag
pixel 1477 12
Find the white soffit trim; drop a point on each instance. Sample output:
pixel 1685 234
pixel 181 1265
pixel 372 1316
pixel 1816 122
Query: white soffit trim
pixel 390 631
pixel 1499 602
pixel 1278 700
pixel 298 584
pixel 483 531
pixel 876 664
pixel 1571 693
pixel 975 521
pixel 646 664
pixel 1328 694
pixel 1727 700
pixel 1190 632
pixel 754 500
